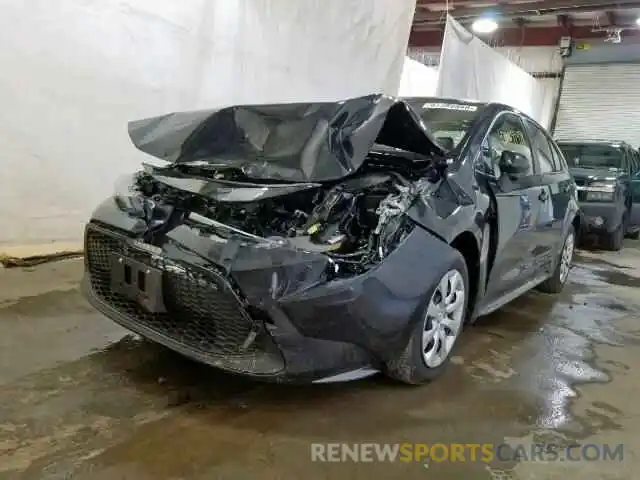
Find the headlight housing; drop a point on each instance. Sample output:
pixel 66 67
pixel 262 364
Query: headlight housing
pixel 601 192
pixel 129 196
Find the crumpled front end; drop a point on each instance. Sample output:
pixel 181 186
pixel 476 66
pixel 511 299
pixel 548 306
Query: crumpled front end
pixel 254 306
pixel 258 269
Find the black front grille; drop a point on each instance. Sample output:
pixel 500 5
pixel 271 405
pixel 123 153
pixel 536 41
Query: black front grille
pixel 202 311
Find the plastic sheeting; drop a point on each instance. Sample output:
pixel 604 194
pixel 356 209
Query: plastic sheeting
pixel 76 71
pixel 470 69
pixel 417 80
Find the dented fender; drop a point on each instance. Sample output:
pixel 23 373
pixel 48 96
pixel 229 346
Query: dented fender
pixel 371 310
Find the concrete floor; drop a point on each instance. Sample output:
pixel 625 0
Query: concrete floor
pixel 79 398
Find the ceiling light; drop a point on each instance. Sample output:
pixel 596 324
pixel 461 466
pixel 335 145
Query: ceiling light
pixel 484 25
pixel 638 21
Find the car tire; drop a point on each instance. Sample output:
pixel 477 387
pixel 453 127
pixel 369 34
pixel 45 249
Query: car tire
pixel 434 337
pixel 613 241
pixel 555 283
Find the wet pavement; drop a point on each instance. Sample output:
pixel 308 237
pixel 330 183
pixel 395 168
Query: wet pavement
pixel 80 398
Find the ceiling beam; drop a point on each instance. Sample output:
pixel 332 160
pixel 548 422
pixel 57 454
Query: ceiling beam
pixel 534 36
pixel 544 7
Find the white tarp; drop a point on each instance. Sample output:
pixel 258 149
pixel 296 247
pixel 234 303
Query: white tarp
pixel 74 72
pixel 470 69
pixel 417 79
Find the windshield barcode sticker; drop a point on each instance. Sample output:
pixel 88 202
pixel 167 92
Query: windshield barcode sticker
pixel 451 106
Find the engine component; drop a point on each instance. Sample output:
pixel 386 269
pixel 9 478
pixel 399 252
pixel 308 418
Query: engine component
pixel 391 222
pixel 356 222
pixel 331 222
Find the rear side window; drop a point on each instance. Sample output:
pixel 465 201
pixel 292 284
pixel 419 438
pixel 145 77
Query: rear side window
pixel 543 149
pixel 559 157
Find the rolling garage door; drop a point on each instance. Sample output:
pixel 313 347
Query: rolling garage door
pixel 600 102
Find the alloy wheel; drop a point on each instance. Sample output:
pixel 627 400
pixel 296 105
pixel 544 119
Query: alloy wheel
pixel 444 318
pixel 567 257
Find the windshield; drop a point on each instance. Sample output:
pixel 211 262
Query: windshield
pixel 592 156
pixel 448 121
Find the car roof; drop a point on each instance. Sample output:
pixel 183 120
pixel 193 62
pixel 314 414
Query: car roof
pixel 446 99
pixel 495 106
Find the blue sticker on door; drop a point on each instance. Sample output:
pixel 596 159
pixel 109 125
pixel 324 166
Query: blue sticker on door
pixel 525 212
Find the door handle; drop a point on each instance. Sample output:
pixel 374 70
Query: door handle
pixel 543 196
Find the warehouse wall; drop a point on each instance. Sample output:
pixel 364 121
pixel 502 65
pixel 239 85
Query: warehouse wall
pixel 75 71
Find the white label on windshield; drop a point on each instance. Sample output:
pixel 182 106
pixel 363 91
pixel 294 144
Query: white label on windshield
pixel 451 106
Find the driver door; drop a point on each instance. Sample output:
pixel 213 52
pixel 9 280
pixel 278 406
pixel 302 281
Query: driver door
pixel 518 206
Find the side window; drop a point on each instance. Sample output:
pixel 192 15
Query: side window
pixel 562 162
pixel 543 150
pixel 508 134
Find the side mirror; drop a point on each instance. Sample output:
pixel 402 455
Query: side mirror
pixel 513 163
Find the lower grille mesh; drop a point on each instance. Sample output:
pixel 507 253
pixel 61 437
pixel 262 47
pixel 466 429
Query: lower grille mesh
pixel 202 314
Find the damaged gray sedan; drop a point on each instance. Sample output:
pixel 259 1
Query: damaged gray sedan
pixel 319 242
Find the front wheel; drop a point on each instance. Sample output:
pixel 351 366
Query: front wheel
pixel 555 283
pixel 434 336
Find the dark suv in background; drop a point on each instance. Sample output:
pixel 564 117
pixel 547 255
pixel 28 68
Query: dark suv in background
pixel 605 173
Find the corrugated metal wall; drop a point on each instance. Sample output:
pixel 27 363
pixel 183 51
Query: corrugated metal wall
pixel 600 95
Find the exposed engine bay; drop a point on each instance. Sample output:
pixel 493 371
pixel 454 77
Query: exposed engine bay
pixel 356 222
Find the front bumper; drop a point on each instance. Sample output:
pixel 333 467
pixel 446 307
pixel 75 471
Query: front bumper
pixel 220 317
pixel 600 218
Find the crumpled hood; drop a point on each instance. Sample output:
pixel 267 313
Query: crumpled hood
pixel 300 142
pixel 589 175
